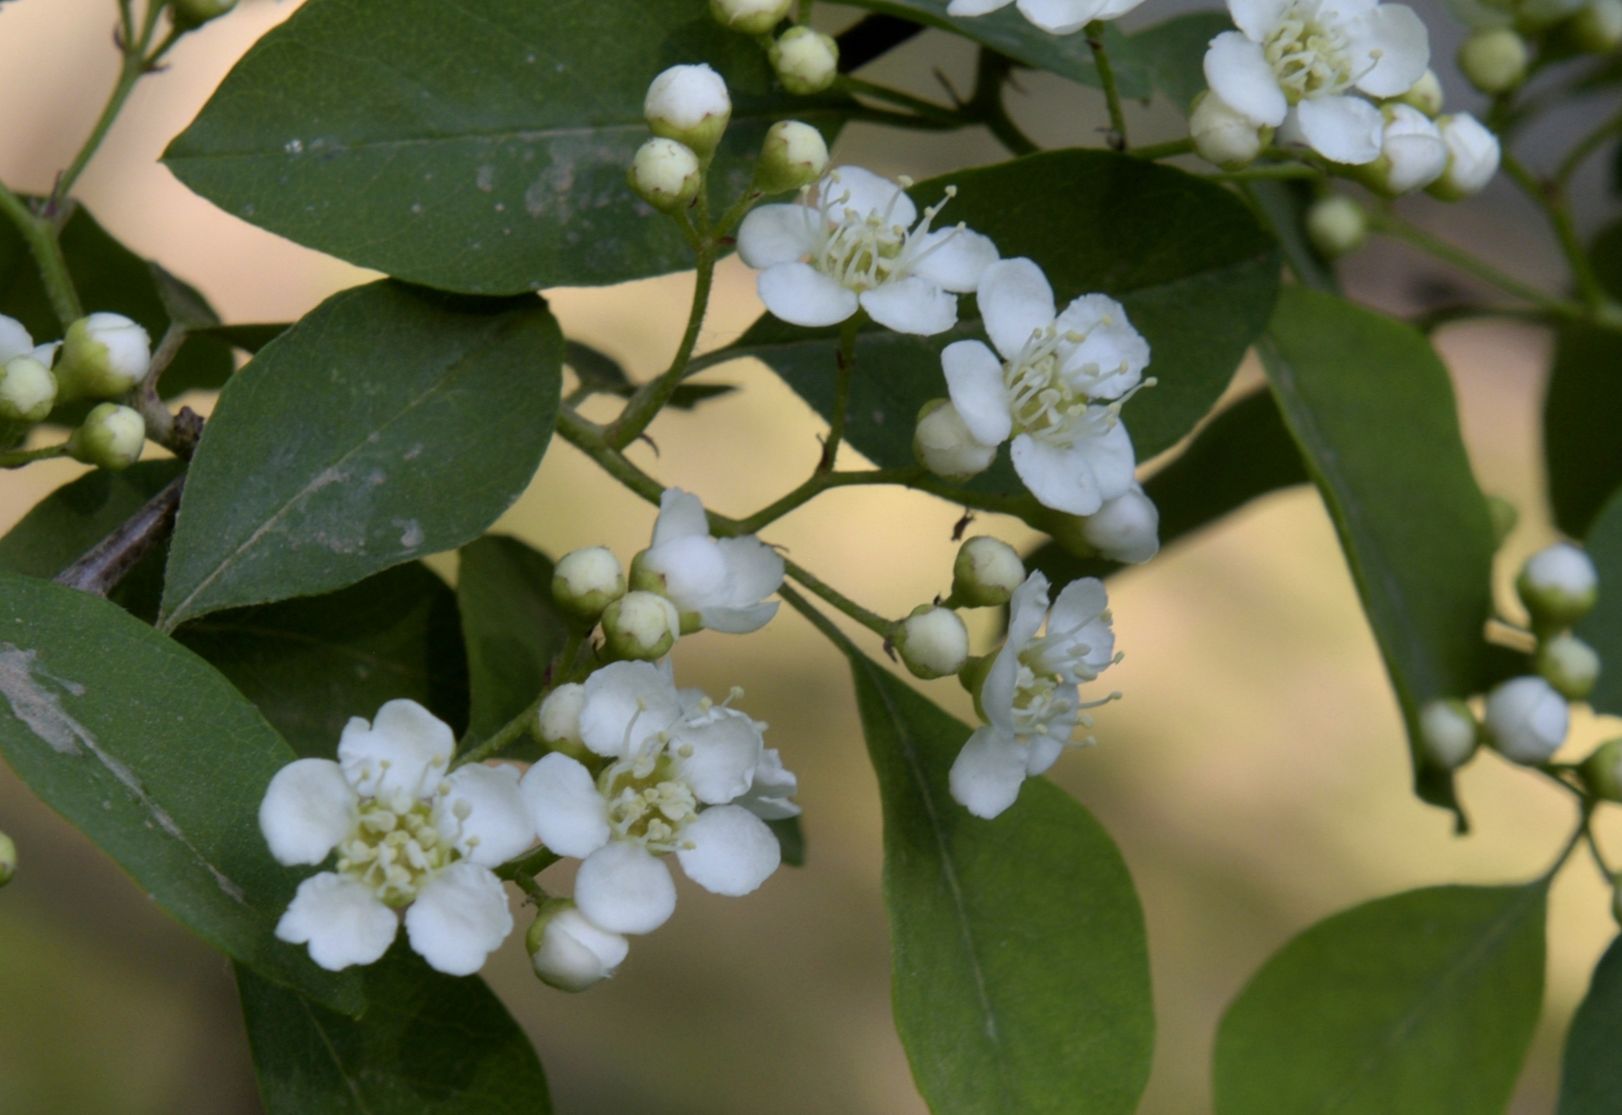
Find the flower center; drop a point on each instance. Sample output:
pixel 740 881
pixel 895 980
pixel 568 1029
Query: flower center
pixel 1309 57
pixel 861 251
pixel 1040 400
pixel 647 803
pixel 1043 704
pixel 395 849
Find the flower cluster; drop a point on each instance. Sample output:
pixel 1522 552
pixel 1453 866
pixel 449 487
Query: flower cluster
pixel 636 769
pixel 102 356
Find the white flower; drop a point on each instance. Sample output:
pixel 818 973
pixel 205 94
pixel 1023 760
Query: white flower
pixel 1030 695
pixel 679 778
pixel 853 243
pixel 1472 157
pixel 944 445
pixel 407 835
pixel 721 580
pixel 1223 135
pixel 1412 153
pixel 1057 17
pixel 1526 719
pixel 1306 59
pixel 1072 454
pixel 568 952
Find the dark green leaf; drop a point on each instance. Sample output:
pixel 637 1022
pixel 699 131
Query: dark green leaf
pixel 1591 1079
pixel 1174 53
pixel 511 628
pixel 149 752
pixel 473 148
pixel 110 278
pixel 1282 207
pixel 790 839
pixel 428 1045
pixel 1244 453
pixel 1372 409
pixel 1422 1003
pixel 312 664
pixel 248 338
pixel 1196 273
pixel 1602 628
pixel 387 424
pixel 1021 971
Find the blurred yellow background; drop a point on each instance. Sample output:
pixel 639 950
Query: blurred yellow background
pixel 1255 775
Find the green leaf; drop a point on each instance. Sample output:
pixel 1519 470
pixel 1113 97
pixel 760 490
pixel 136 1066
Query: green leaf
pixel 1243 454
pixel 1422 1003
pixel 1282 208
pixel 150 753
pixel 602 374
pixel 310 665
pixel 1602 628
pixel 387 424
pixel 511 628
pixel 248 338
pixel 1591 1078
pixel 479 149
pixel 1021 978
pixel 1173 52
pixel 428 1044
pixel 1372 409
pixel 1195 272
pixel 790 839
pixel 113 279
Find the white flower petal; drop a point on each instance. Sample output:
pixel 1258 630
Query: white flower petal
pixel 1079 630
pixel 974 381
pixel 1341 129
pixel 1390 48
pixel 574 954
pixel 987 773
pixel 626 703
pixel 863 192
pixel 771 789
pixel 952 258
pixel 564 807
pixel 309 806
pixel 1058 476
pixel 1059 17
pixel 340 919
pixel 1016 301
pixel 482 814
pixel 1027 608
pixel 459 918
pixel 717 753
pixel 403 752
pixel 1237 71
pixel 754 569
pixel 801 295
pixel 624 889
pixel 773 234
pixel 975 7
pixel 1109 362
pixel 681 515
pixel 694 570
pixel 736 620
pixel 1257 17
pixel 997 691
pixel 1042 753
pixel 728 850
pixel 1114 9
pixel 911 305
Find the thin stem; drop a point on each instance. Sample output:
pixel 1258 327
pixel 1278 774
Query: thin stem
pixel 928 109
pixel 17 458
pixel 1549 197
pixel 1167 150
pixel 821 622
pixel 1106 79
pixel 505 736
pixel 871 620
pixel 100 569
pixel 991 74
pixel 527 883
pixel 1586 813
pixel 1464 261
pixel 527 866
pixel 846 368
pixel 1265 172
pixel 588 438
pixel 651 397
pixel 1585 147
pixel 1598 855
pixel 40 236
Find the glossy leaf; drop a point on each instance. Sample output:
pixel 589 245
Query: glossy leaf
pixel 310 665
pixel 1173 52
pixel 1244 453
pixel 1372 410
pixel 1282 209
pixel 1196 273
pixel 388 424
pixel 483 152
pixel 1591 1079
pixel 160 762
pixel 110 278
pixel 428 1044
pixel 1021 974
pixel 511 628
pixel 1422 1003
pixel 1602 628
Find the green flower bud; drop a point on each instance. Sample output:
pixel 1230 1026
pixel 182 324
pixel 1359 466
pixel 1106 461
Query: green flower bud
pixel 569 952
pixel 751 17
pixel 805 61
pixel 103 356
pixel 1559 586
pixel 111 437
pixel 641 625
pixel 793 155
pixel 1597 28
pixel 587 581
pixel 666 174
pixel 27 390
pixel 1337 226
pixel 689 104
pixel 8 859
pixel 943 444
pixel 986 572
pixel 1448 733
pixel 1223 135
pixel 932 642
pixel 1568 664
pixel 1602 771
pixel 557 721
pixel 189 14
pixel 1426 93
pixel 1494 60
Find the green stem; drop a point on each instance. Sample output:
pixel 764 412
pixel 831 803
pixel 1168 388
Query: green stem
pixel 527 866
pixel 1265 172
pixel 1106 79
pixel 929 110
pixel 1167 150
pixel 1585 147
pixel 505 736
pixel 990 75
pixel 1549 197
pixel 651 397
pixel 846 361
pixel 1464 261
pixel 1585 816
pixel 17 458
pixel 871 620
pixel 821 622
pixel 588 438
pixel 41 237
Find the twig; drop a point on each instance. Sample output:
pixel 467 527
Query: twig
pixel 109 561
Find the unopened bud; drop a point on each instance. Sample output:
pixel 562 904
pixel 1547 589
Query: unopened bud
pixel 689 104
pixel 557 721
pixel 1412 153
pixel 1602 771
pixel 1336 225
pixel 1526 720
pixel 1559 586
pixel 986 572
pixel 1124 529
pixel 943 444
pixel 194 13
pixel 1494 60
pixel 14 339
pixel 111 437
pixel 641 625
pixel 586 581
pixel 27 390
pixel 1448 733
pixel 1426 93
pixel 1472 157
pixel 1597 28
pixel 793 155
pixel 666 174
pixel 932 642
pixel 1223 135
pixel 102 357
pixel 569 952
pixel 805 61
pixel 751 17
pixel 1568 664
pixel 8 859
